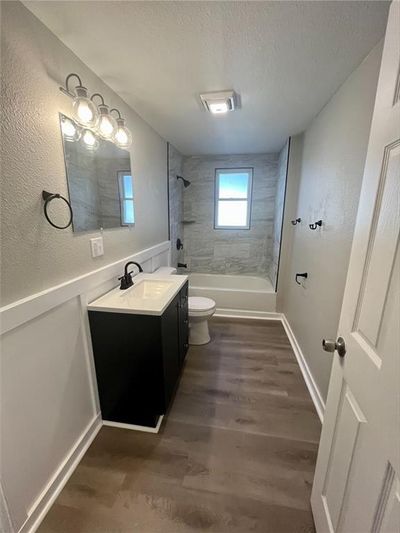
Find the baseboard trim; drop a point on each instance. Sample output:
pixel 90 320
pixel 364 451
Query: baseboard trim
pixel 134 427
pixel 305 370
pixel 242 313
pixel 45 500
pixel 301 360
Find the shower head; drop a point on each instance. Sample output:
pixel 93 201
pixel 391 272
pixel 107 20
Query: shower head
pixel 186 183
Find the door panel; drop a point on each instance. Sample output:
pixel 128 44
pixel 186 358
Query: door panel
pixel 388 508
pixel 345 438
pixel 170 340
pixel 381 248
pixel 356 484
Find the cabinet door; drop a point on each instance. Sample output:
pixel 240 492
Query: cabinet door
pixel 183 323
pixel 127 355
pixel 170 341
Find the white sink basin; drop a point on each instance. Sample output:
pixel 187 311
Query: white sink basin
pixel 148 289
pixel 149 295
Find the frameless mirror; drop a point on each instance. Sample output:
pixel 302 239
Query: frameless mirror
pixel 99 178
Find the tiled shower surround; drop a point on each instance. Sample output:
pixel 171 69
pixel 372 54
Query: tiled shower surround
pixel 175 187
pixel 208 250
pixel 278 216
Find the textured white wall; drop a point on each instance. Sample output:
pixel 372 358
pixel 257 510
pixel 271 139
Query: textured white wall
pixel 36 256
pixel 329 176
pixel 47 394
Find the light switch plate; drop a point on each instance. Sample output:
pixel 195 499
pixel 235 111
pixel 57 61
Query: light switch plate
pixel 97 246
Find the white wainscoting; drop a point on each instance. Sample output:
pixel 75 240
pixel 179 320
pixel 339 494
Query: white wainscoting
pixel 49 404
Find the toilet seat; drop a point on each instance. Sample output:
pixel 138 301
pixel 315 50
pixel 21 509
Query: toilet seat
pixel 199 305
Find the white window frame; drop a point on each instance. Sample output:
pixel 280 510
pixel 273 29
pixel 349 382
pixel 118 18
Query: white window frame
pixel 123 198
pixel 248 199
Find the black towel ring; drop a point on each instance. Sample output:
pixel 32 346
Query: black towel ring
pixel 48 197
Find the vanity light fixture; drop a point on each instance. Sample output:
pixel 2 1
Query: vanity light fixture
pixel 85 110
pixel 96 120
pixel 107 125
pixel 122 137
pixel 69 129
pixel 90 140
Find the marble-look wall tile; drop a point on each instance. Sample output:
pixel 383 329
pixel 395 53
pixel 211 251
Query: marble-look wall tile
pixel 211 250
pixel 278 215
pixel 93 184
pixel 82 186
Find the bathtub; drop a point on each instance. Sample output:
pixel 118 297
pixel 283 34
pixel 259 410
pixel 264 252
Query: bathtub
pixel 244 295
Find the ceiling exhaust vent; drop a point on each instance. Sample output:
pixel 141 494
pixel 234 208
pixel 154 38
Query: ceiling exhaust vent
pixel 219 102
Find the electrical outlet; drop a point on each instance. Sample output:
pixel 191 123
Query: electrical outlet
pixel 97 246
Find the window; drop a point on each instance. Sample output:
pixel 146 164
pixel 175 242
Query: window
pixel 233 188
pixel 125 183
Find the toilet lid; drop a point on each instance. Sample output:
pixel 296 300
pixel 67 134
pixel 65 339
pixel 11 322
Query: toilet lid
pixel 198 303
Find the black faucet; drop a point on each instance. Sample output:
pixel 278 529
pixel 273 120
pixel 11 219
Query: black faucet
pixel 126 279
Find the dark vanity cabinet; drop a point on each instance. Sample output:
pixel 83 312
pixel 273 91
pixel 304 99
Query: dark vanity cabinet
pixel 183 323
pixel 138 359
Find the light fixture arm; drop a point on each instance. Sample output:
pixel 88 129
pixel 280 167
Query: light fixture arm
pixel 100 96
pixel 66 89
pixel 117 110
pixel 96 117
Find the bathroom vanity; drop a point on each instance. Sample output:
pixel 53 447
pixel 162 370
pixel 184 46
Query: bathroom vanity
pixel 140 340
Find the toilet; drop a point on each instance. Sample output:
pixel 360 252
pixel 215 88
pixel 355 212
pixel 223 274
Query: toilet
pixel 200 311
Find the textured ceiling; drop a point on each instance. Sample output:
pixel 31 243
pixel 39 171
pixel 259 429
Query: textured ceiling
pixel 285 59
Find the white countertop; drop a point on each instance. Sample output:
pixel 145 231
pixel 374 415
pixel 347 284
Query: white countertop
pixel 150 295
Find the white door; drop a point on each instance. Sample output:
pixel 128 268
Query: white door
pixel 356 487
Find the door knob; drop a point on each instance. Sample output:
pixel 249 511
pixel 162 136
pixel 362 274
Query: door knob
pixel 330 346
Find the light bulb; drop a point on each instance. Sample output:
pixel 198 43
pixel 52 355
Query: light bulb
pixel 217 108
pixel 69 129
pixel 85 110
pixel 90 140
pixel 107 124
pixel 123 136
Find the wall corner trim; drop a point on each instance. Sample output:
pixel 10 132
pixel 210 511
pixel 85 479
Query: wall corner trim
pixel 305 370
pixel 55 485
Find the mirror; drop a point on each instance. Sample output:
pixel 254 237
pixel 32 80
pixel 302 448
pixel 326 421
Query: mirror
pixel 99 178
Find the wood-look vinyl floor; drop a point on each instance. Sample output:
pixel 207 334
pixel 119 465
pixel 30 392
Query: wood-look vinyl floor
pixel 236 453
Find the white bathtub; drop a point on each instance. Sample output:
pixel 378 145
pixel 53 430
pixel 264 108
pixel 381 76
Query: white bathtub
pixel 235 294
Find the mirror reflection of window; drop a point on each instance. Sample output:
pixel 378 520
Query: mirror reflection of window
pixel 125 182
